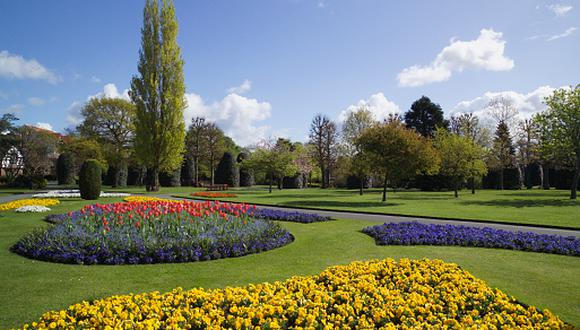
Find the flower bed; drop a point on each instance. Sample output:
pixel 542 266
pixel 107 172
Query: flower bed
pixel 413 233
pixel 211 194
pixel 28 202
pixel 32 209
pixel 152 232
pixel 74 193
pixel 363 295
pixel 292 216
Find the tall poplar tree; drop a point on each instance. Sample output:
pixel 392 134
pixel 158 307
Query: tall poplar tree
pixel 158 92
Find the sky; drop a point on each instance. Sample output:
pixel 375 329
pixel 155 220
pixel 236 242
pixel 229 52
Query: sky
pixel 264 68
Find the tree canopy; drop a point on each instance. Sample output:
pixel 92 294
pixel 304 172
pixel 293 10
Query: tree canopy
pixel 425 117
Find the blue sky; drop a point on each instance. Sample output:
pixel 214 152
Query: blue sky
pixel 264 68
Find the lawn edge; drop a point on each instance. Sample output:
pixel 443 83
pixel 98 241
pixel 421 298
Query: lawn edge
pixel 501 222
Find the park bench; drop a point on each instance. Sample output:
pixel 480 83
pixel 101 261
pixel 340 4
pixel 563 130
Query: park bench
pixel 217 187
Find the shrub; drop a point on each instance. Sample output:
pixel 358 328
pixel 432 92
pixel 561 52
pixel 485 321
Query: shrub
pixel 293 182
pixel 90 179
pixel 227 171
pixel 65 169
pixel 170 179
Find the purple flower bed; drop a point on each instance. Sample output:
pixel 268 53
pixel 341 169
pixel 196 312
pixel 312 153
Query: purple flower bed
pixel 292 216
pixel 414 233
pixel 154 232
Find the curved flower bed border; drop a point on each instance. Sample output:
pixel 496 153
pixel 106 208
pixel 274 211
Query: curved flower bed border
pixel 414 233
pixel 386 294
pixel 32 209
pixel 152 232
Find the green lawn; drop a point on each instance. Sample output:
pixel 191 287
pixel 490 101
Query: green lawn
pixel 28 287
pixel 536 207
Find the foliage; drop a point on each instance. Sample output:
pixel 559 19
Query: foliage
pixel 111 122
pixel 38 149
pixel 8 138
pixel 82 149
pixel 196 143
pixel 65 169
pixel 273 160
pixel 246 173
pixel 90 179
pixel 28 202
pixel 502 155
pixel 355 123
pixel 324 139
pixel 425 117
pixel 362 295
pixel 153 232
pixel 414 233
pixel 460 157
pixel 215 147
pixel 560 129
pixel 170 179
pixel 227 171
pixel 398 153
pixel 213 194
pixel 159 93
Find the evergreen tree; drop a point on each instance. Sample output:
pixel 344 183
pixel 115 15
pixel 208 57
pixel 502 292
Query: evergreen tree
pixel 227 171
pixel 503 151
pixel 425 117
pixel 159 93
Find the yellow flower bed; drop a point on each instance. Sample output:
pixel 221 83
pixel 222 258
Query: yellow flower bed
pixel 147 199
pixel 27 202
pixel 376 294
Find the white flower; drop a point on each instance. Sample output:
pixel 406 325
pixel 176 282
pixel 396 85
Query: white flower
pixel 32 208
pixel 74 193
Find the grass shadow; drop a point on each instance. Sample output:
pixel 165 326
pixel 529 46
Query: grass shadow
pixel 521 203
pixel 336 204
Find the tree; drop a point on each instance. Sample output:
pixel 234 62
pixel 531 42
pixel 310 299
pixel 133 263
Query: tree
pixel 425 117
pixel 527 148
pixel 90 179
pixel 214 142
pixel 196 143
pixel 8 136
pixel 159 93
pixel 303 161
pixel 398 152
pixel 355 124
pixel 82 149
pixel 110 121
pixel 272 161
pixel 39 152
pixel 461 158
pixel 324 138
pixel 467 125
pixel 560 126
pixel 227 171
pixel 502 109
pixel 503 152
pixel 246 173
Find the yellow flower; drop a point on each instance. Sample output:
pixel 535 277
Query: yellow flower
pixel 28 202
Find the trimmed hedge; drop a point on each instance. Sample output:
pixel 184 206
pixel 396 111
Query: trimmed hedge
pixel 90 179
pixel 227 171
pixel 65 169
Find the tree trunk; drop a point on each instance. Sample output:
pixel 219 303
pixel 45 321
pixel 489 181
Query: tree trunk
pixel 323 176
pixel 152 179
pixel 270 182
pixel 456 188
pixel 546 178
pixel 385 189
pixel 501 178
pixel 362 184
pixel 196 171
pixel 575 179
pixel 212 172
pixel 528 176
pixel 280 183
pixel 473 185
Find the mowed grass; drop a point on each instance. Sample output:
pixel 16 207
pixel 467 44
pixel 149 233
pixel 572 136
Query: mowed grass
pixel 28 287
pixel 535 207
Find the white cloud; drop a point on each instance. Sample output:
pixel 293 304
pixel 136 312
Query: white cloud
pixel 243 88
pixel 36 101
pixel 526 103
pixel 565 34
pixel 377 104
pixel 560 9
pixel 46 126
pixel 235 114
pixel 96 80
pixel 14 108
pixel 16 67
pixel 109 90
pixel 484 53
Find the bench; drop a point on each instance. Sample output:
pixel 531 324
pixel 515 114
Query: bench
pixel 217 187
